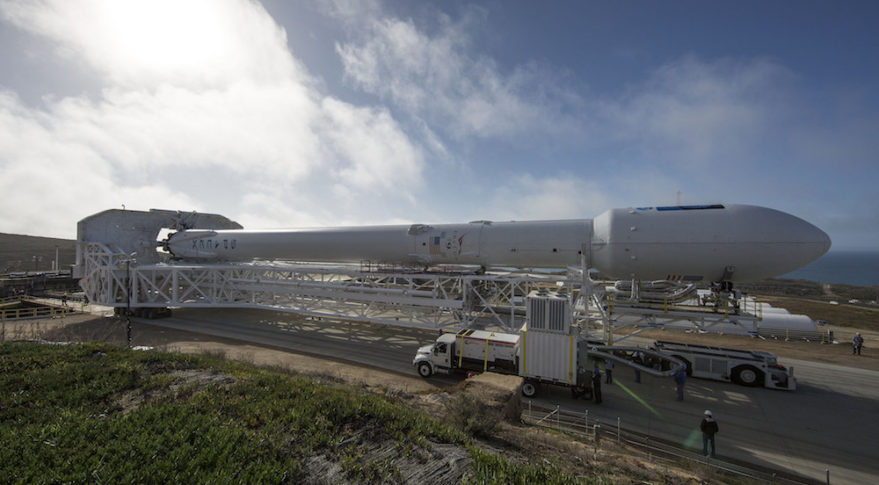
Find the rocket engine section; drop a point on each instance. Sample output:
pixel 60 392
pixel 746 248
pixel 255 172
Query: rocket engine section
pixel 679 243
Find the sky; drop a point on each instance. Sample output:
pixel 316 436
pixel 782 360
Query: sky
pixel 348 112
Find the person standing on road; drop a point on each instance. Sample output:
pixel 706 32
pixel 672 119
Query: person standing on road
pixel 857 343
pixel 680 380
pixel 709 429
pixel 640 361
pixel 608 370
pixel 596 385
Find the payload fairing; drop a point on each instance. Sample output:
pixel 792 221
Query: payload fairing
pixel 682 243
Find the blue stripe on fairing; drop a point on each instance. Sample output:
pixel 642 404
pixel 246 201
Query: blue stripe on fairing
pixel 690 207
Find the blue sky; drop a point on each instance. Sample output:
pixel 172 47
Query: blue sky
pixel 286 114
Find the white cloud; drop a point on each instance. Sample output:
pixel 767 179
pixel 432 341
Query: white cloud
pixel 134 43
pixel 553 197
pixel 696 113
pixel 374 138
pixel 564 195
pixel 436 77
pixel 48 182
pixel 247 134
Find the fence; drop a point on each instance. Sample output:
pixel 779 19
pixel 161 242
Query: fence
pixel 35 312
pixel 650 448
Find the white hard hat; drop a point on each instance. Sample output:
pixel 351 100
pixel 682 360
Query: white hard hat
pixel 707 413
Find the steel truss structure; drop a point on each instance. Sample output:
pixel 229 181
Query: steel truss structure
pixel 416 299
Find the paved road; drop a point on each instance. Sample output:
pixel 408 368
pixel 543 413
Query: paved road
pixel 830 422
pixel 386 347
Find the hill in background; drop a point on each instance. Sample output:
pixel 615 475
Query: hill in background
pixel 20 253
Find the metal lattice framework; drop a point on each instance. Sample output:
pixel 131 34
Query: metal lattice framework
pixel 401 298
pixel 105 277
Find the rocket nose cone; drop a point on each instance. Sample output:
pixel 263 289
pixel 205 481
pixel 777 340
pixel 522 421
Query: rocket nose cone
pixel 824 241
pixel 814 241
pixel 786 242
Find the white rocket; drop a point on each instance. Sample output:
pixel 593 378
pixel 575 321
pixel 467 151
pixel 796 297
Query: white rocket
pixel 682 243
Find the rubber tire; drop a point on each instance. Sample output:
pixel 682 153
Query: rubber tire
pixel 529 389
pixel 424 370
pixel 747 375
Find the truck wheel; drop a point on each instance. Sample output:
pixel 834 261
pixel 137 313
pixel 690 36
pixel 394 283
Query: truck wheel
pixel 529 389
pixel 747 376
pixel 424 370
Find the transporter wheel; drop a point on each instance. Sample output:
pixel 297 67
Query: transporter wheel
pixel 581 391
pixel 529 389
pixel 424 370
pixel 747 375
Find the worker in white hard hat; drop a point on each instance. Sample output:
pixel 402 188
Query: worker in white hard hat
pixel 709 429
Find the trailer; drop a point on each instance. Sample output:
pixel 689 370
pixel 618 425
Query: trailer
pixel 744 367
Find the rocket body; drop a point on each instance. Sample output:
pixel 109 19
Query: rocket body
pixel 684 243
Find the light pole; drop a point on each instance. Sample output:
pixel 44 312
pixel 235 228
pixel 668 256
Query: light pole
pixel 128 297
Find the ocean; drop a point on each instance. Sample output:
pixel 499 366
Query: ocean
pixel 859 268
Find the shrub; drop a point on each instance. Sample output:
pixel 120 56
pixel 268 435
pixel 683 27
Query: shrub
pixel 467 413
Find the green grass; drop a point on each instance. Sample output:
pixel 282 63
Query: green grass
pixel 101 414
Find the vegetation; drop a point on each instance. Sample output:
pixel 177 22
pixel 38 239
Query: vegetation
pixel 471 415
pixel 102 414
pixel 499 470
pixel 811 290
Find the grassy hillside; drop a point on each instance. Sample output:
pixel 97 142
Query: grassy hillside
pixel 17 253
pixel 810 290
pixel 101 414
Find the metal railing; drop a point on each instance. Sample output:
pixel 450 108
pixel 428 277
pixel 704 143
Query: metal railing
pixel 650 448
pixel 35 312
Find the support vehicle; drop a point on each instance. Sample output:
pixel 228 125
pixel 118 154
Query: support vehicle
pixel 538 357
pixel 744 367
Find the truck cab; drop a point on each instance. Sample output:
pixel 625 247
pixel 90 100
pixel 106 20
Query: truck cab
pixel 436 357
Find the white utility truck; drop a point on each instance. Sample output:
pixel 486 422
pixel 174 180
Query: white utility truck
pixel 539 358
pixel 547 350
pixel 744 367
